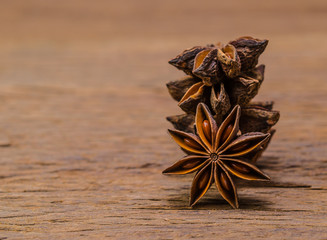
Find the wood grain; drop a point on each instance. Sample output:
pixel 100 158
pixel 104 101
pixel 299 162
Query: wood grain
pixel 83 106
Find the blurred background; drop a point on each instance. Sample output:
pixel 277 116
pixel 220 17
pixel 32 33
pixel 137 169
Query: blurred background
pixel 84 101
pixel 97 42
pixel 73 48
pixel 125 45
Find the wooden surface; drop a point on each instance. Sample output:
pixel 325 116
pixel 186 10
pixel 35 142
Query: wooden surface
pixel 83 105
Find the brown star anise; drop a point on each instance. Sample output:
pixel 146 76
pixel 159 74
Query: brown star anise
pixel 221 76
pixel 216 152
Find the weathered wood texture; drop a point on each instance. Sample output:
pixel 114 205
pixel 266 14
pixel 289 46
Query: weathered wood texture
pixel 83 104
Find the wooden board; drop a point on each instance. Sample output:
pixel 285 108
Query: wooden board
pixel 83 105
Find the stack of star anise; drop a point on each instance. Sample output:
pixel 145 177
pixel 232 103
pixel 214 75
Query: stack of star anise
pixel 223 76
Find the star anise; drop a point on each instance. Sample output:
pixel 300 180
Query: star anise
pixel 216 153
pixel 220 76
pixel 249 49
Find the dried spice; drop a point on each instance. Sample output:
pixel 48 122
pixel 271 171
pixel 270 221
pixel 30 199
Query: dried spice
pixel 178 88
pixel 255 117
pixel 229 60
pixel 222 76
pixel 242 89
pixel 199 92
pixel 253 156
pixel 249 49
pixel 206 68
pixel 183 121
pixel 193 96
pixel 220 102
pixel 258 117
pixel 185 60
pixel 217 153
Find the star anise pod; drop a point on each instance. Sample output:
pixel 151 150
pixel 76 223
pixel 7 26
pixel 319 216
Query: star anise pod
pixel 255 117
pixel 222 76
pixel 191 90
pixel 207 67
pixel 185 60
pixel 249 49
pixel 216 153
pixel 182 121
pixel 210 63
pixel 221 97
pixel 229 60
pixel 258 117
